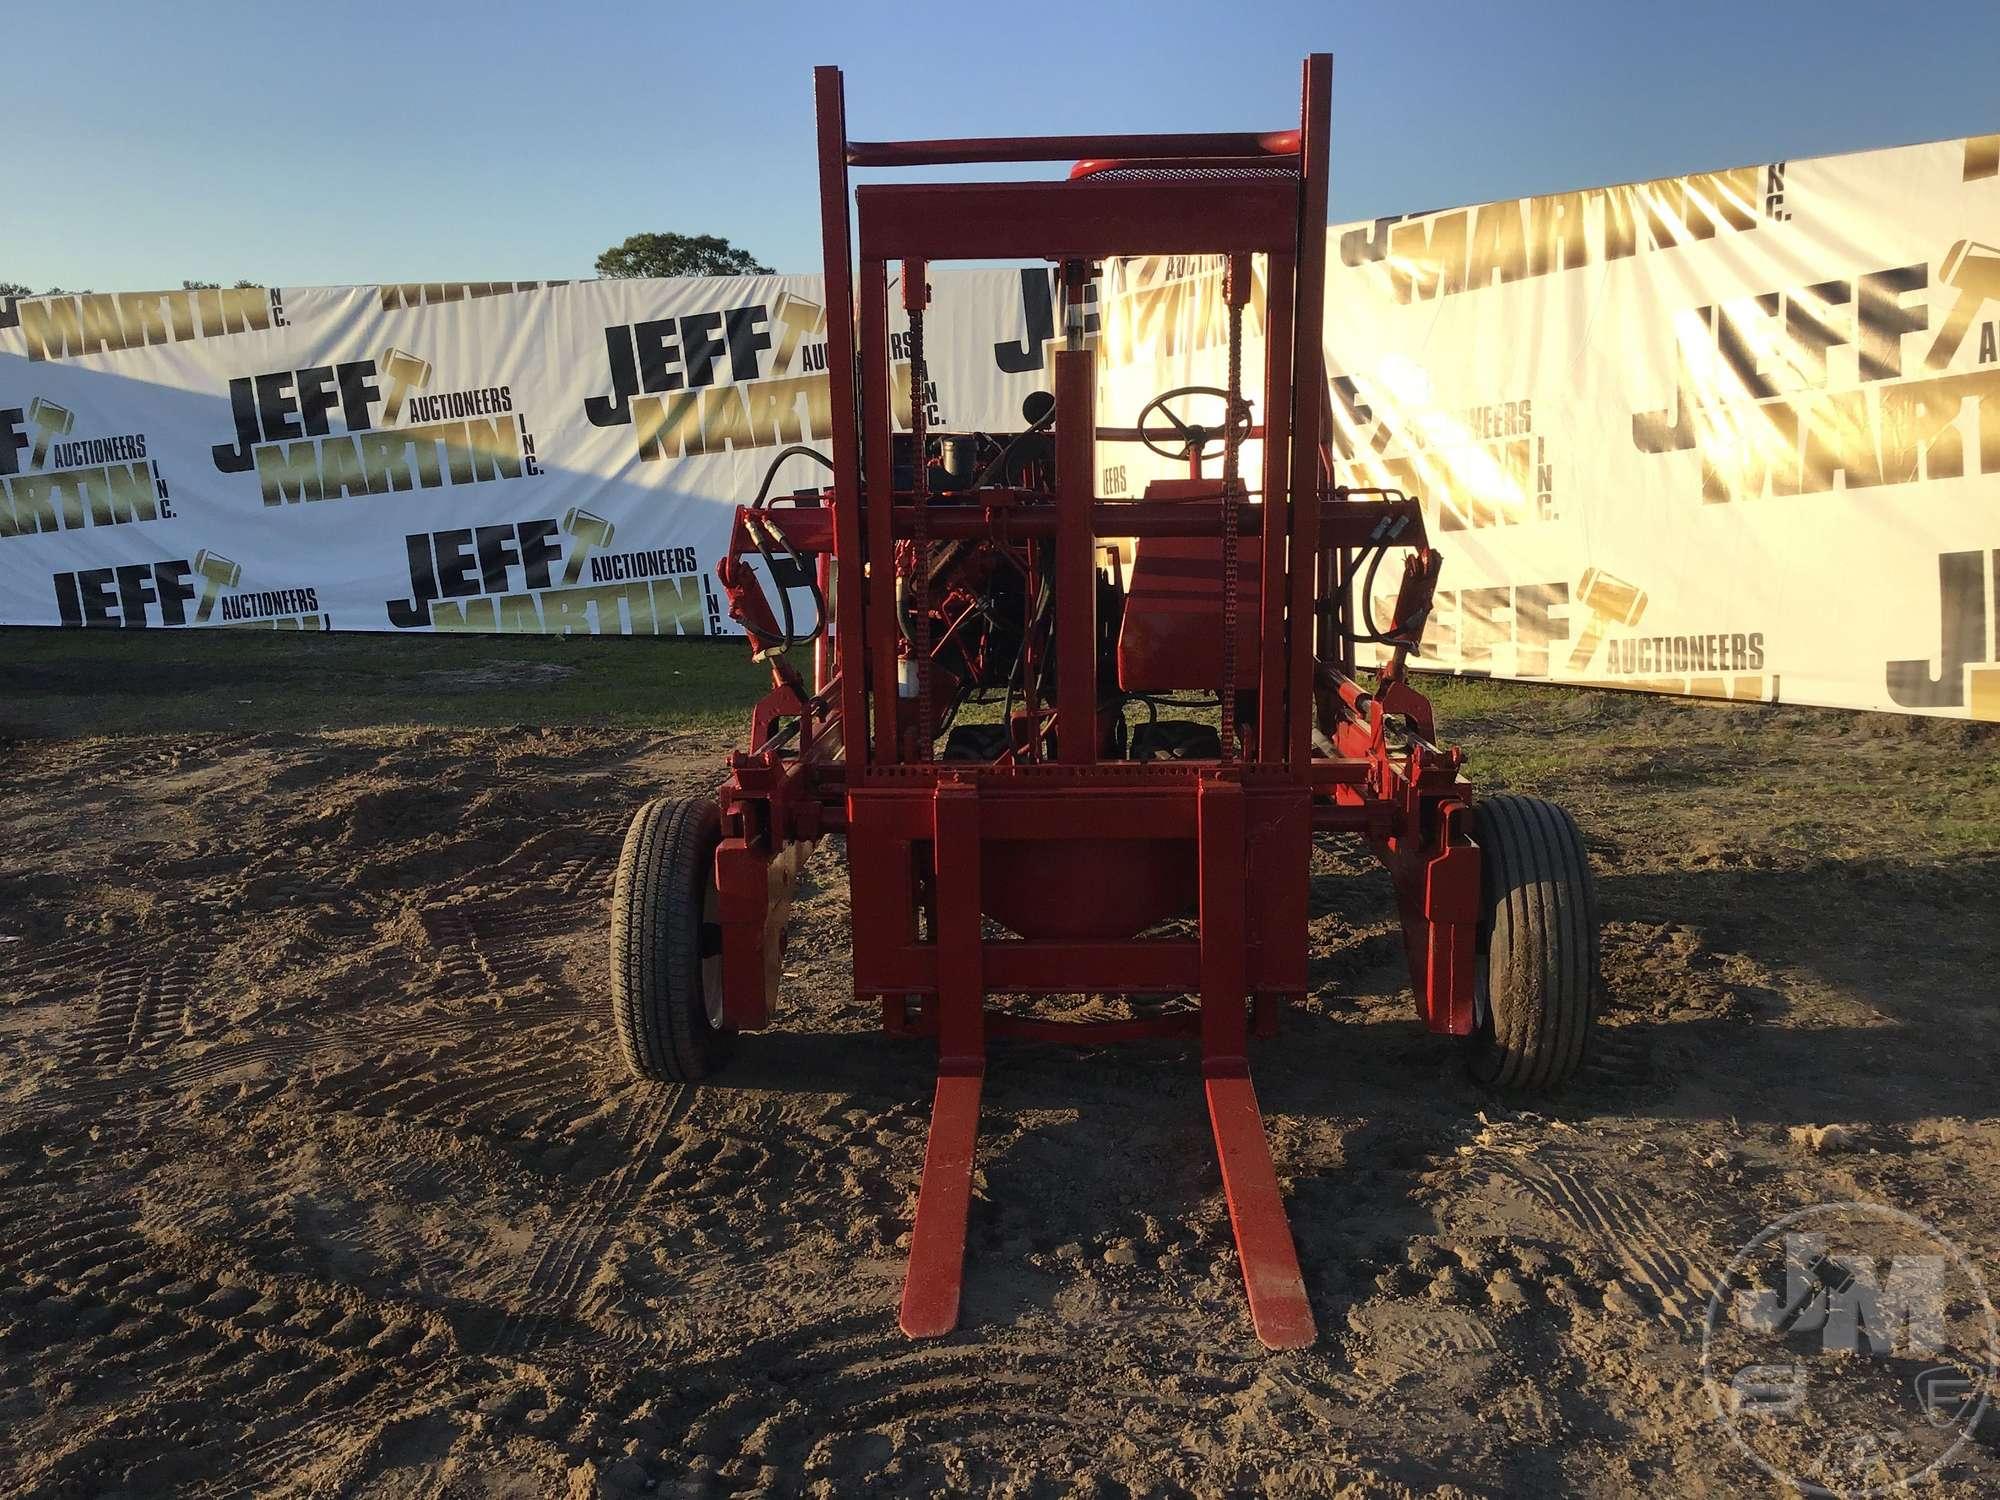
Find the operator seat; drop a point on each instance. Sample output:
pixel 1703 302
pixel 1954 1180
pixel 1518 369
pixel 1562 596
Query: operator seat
pixel 1171 637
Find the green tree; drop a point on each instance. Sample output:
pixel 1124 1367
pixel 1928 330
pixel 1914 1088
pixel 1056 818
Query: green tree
pixel 678 255
pixel 207 286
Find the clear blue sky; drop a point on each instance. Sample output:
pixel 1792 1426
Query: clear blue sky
pixel 307 145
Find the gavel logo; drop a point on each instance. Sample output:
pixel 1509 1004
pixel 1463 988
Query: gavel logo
pixel 590 532
pixel 1975 270
pixel 217 573
pixel 1610 601
pixel 405 373
pixel 51 422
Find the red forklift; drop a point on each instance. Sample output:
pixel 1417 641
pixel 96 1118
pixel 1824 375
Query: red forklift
pixel 960 708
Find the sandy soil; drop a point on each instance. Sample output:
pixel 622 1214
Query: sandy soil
pixel 319 1175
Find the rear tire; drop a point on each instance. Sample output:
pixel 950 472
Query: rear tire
pixel 1537 977
pixel 666 943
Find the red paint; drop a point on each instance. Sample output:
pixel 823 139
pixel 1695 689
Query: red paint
pixel 1077 854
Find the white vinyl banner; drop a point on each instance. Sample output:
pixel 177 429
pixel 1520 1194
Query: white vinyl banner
pixel 557 457
pixel 1735 434
pixel 1731 435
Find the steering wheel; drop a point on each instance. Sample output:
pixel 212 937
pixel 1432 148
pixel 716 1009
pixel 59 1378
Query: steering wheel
pixel 1194 438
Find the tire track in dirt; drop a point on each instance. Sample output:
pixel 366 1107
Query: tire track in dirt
pixel 365 1037
pixel 1404 1338
pixel 872 1391
pixel 340 922
pixel 1622 1226
pixel 571 1254
pixel 293 1461
pixel 568 862
pixel 589 871
pixel 464 957
pixel 65 967
pixel 472 1093
pixel 537 1097
pixel 490 946
pixel 1619 1060
pixel 495 934
pixel 195 1358
pixel 141 1007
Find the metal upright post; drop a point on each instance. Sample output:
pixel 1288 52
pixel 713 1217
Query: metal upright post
pixel 1076 557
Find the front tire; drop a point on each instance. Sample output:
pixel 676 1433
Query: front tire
pixel 1536 984
pixel 666 943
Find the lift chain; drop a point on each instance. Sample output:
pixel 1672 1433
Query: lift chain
pixel 1232 439
pixel 920 536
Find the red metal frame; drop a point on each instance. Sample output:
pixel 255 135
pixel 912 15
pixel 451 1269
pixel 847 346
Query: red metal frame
pixel 1077 854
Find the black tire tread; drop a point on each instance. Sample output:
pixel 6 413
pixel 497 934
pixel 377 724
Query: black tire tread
pixel 656 921
pixel 1542 945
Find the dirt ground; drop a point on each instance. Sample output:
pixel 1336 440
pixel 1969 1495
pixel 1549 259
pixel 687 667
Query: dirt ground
pixel 319 1173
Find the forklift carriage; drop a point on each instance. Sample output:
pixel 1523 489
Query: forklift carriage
pixel 951 570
